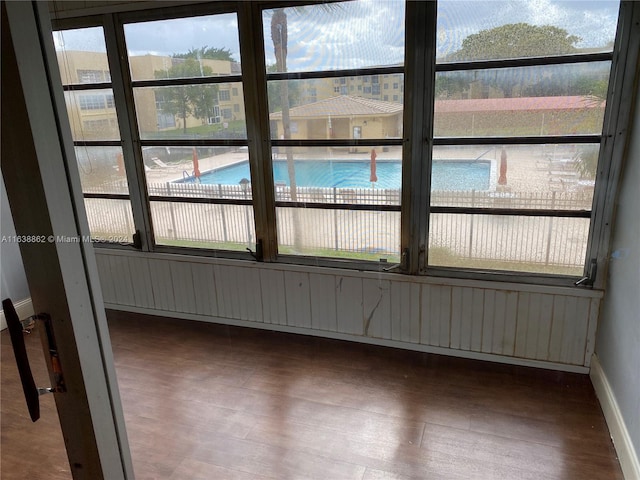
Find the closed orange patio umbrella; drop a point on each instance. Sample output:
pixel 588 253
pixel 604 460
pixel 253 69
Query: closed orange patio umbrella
pixel 373 177
pixel 502 179
pixel 196 165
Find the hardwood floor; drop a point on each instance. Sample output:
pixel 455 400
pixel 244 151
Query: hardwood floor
pixel 209 402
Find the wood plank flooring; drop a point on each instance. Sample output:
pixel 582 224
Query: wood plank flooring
pixel 209 402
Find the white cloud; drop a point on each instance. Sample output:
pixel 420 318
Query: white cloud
pixel 358 34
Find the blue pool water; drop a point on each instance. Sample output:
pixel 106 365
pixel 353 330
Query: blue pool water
pixel 447 174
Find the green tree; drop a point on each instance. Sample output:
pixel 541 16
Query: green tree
pixel 592 87
pixel 210 53
pixel 450 84
pixel 187 100
pixel 516 40
pixel 587 161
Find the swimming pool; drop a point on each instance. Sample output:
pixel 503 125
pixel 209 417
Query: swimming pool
pixel 447 174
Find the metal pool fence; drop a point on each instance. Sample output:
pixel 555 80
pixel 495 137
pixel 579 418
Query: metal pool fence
pixel 540 240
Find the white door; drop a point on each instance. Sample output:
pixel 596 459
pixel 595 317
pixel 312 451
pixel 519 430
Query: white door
pixel 43 188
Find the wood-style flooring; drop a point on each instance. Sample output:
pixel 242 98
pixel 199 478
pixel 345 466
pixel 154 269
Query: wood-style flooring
pixel 206 401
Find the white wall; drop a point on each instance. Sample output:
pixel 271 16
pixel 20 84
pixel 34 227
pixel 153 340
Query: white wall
pixel 618 339
pixel 14 282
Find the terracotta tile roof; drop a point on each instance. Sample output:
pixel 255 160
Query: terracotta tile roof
pixel 517 104
pixel 343 106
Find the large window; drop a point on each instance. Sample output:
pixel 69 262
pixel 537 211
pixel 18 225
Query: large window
pixel 524 100
pixel 423 137
pixel 94 126
pixel 187 139
pixel 337 158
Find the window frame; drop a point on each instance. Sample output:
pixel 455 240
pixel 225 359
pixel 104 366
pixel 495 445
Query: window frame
pixel 419 79
pixel 167 13
pixel 589 139
pixel 110 83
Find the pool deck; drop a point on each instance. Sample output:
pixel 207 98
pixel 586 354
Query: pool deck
pixel 523 174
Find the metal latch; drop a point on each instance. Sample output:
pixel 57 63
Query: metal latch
pixel 403 265
pixel 258 254
pixel 589 280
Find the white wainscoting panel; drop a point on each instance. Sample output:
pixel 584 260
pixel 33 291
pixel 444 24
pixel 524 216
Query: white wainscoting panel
pixel 405 312
pixel 274 300
pixel 183 289
pixel 298 299
pixel 435 316
pixel 161 285
pixel 376 300
pixel 473 318
pixel 141 282
pixel 322 290
pixel 204 289
pixel 349 305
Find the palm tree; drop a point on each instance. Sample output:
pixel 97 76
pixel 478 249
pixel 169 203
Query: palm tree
pixel 279 38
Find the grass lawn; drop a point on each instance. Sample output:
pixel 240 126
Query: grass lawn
pixel 438 257
pixel 236 129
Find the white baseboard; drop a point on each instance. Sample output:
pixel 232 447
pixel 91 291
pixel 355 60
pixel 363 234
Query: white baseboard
pixel 24 309
pixel 617 428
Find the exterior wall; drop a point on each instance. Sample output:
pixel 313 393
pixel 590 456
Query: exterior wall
pixel 237 98
pixel 341 128
pixel 522 324
pixel 73 61
pixel 91 124
pixel 301 129
pixel 220 67
pixel 540 122
pixel 146 111
pixel 87 124
pixel 371 127
pixel 362 87
pixel 318 129
pixel 323 86
pixel 145 66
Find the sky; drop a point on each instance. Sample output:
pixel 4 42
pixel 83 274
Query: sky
pixel 359 34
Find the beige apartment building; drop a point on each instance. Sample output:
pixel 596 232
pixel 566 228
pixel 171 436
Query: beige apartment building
pixel 388 88
pixel 92 113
